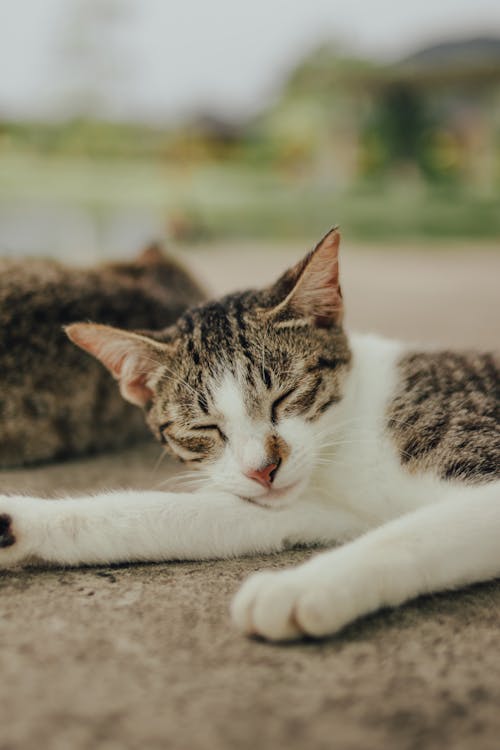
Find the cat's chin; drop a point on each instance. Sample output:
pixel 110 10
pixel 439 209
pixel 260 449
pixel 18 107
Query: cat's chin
pixel 275 498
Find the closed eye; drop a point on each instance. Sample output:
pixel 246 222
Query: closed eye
pixel 209 428
pixel 277 403
pixel 182 451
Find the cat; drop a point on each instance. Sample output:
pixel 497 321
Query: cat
pixel 304 434
pixel 56 402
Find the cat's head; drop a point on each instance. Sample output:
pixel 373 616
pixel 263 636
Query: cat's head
pixel 241 386
pixel 161 274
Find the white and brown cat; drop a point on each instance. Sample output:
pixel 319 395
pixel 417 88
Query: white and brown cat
pixel 302 434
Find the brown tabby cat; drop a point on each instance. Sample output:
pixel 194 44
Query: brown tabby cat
pixel 303 433
pixel 55 402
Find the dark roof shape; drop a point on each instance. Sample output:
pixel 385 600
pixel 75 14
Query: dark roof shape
pixel 473 52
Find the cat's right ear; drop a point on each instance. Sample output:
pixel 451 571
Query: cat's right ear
pixel 136 361
pixel 311 289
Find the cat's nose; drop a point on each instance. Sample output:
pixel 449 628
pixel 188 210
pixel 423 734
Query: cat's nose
pixel 265 475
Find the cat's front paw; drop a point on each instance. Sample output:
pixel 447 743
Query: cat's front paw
pixel 304 601
pixel 7 538
pixel 15 547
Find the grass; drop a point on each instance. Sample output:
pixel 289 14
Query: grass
pixel 227 201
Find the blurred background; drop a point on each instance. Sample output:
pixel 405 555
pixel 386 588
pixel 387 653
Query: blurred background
pixel 266 122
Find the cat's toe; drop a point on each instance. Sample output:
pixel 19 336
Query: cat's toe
pixel 244 601
pixel 273 612
pixel 319 612
pixel 264 606
pixel 7 537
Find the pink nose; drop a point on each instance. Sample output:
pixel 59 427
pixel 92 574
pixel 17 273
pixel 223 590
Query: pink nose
pixel 265 475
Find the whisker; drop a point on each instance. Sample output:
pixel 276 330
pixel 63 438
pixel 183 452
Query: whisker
pixel 159 460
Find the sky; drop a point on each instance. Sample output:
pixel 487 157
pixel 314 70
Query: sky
pixel 162 59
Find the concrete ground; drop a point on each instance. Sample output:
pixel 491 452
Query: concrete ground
pixel 144 656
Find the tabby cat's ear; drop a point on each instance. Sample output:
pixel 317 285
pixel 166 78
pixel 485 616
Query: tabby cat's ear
pixel 151 255
pixel 133 359
pixel 311 289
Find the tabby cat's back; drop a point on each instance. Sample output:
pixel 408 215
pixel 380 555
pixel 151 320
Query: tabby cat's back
pixel 55 401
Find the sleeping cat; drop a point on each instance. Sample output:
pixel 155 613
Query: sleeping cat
pixel 303 434
pixel 56 402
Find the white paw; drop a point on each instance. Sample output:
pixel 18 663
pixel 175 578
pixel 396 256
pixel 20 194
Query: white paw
pixel 305 601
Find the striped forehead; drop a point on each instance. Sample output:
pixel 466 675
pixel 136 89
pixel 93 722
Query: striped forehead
pixel 228 397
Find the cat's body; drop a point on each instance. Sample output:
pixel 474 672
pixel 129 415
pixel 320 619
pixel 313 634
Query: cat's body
pixel 54 401
pixel 305 435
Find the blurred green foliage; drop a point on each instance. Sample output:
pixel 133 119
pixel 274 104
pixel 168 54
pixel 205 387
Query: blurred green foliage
pixel 230 200
pixel 389 153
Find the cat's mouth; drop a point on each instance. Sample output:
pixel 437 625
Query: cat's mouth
pixel 271 496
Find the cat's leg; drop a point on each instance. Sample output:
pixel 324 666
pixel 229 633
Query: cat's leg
pixel 149 526
pixel 447 545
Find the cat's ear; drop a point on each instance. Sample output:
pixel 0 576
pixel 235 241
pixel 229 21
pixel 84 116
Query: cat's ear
pixel 133 359
pixel 151 255
pixel 311 289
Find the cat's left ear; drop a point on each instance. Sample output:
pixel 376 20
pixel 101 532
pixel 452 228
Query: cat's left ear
pixel 136 361
pixel 311 289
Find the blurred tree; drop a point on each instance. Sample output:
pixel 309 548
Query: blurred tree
pixel 399 131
